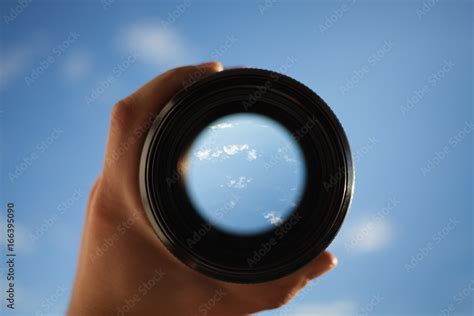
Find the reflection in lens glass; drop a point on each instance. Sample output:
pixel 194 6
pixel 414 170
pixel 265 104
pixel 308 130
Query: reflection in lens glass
pixel 245 173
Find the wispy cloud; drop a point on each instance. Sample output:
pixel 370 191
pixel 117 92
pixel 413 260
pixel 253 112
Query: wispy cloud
pixel 239 183
pixel 226 151
pixel 203 154
pixel 273 218
pixel 234 149
pixel 284 152
pixel 13 63
pixel 252 154
pixel 154 44
pixel 77 66
pixel 369 235
pixel 222 125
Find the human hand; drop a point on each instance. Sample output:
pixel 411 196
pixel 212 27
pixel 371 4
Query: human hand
pixel 123 267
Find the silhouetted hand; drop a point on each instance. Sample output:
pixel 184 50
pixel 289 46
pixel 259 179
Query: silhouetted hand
pixel 123 268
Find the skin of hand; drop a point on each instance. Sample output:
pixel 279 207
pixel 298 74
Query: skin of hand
pixel 123 267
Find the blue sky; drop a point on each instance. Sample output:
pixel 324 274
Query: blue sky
pixel 398 74
pixel 245 173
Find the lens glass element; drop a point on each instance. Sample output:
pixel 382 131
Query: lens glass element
pixel 245 173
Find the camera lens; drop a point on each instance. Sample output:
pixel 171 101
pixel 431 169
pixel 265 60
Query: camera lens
pixel 246 175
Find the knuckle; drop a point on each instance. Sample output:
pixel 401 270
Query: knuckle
pixel 93 192
pixel 179 71
pixel 180 75
pixel 186 75
pixel 123 111
pixel 103 204
pixel 99 200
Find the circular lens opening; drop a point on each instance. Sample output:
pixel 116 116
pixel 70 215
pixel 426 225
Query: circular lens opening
pixel 245 173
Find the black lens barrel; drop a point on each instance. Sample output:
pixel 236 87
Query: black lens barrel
pixel 314 222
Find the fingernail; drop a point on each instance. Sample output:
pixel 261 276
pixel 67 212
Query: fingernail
pixel 217 65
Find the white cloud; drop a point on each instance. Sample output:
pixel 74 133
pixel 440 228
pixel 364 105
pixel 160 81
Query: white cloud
pixel 251 155
pixel 216 153
pixel 337 308
pixel 226 151
pixel 368 235
pixel 202 154
pixel 13 63
pixel 284 153
pixel 154 44
pixel 222 125
pixel 239 183
pixel 233 149
pixel 77 66
pixel 273 218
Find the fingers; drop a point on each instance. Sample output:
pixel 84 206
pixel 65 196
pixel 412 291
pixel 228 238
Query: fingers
pixel 132 117
pixel 322 264
pixel 276 293
pixel 156 93
pixel 289 286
